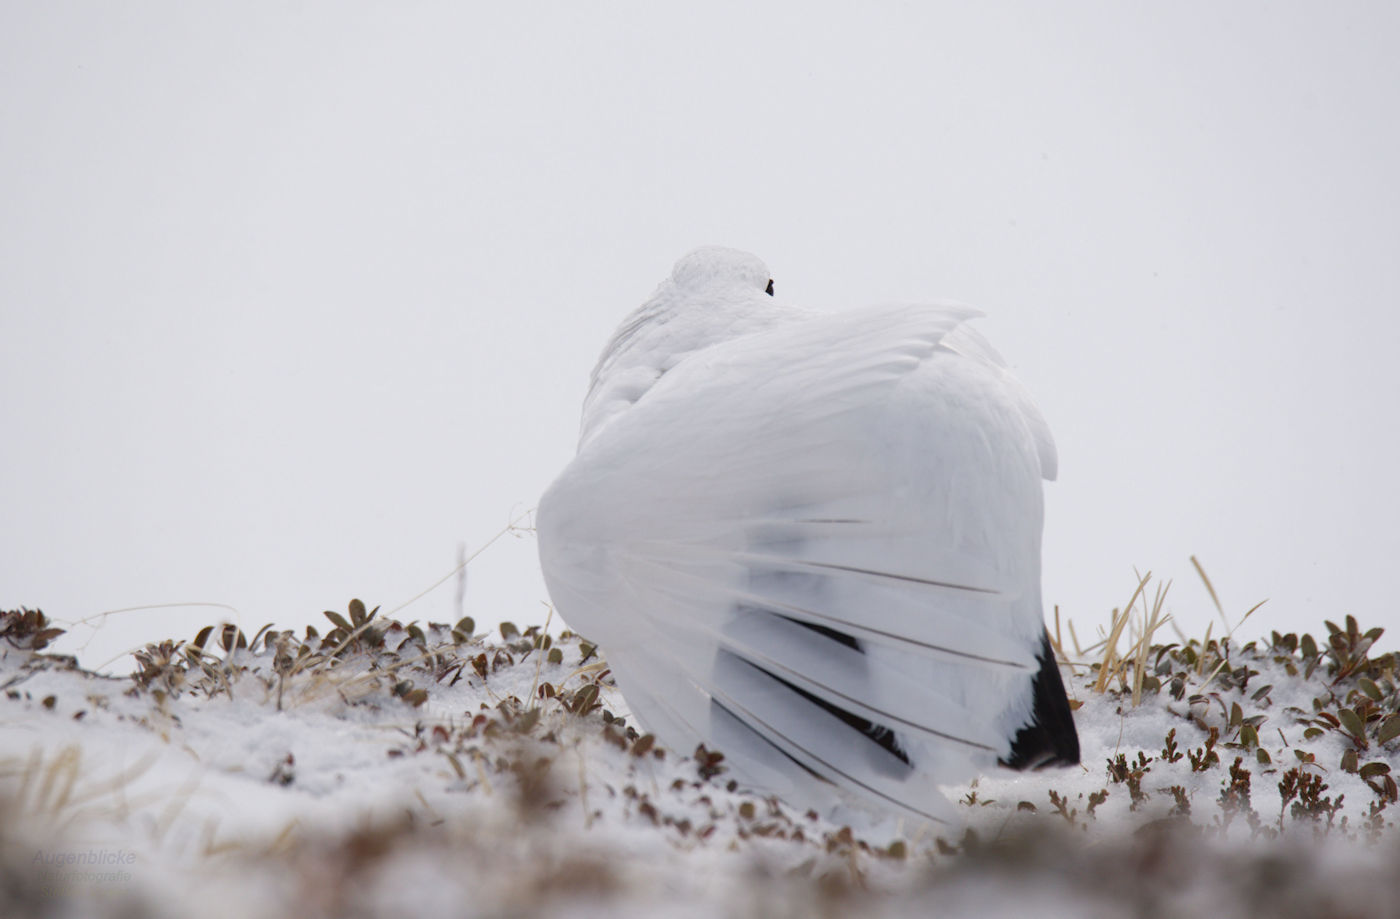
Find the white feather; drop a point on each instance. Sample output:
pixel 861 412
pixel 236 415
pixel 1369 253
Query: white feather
pixel 750 473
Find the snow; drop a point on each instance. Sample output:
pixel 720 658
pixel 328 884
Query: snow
pixel 194 795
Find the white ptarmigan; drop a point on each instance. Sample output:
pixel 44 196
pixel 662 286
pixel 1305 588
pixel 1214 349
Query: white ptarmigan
pixel 812 542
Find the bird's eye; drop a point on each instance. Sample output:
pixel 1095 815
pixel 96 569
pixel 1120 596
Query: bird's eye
pixel 769 289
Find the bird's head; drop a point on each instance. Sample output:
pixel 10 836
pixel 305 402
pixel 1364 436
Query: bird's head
pixel 715 269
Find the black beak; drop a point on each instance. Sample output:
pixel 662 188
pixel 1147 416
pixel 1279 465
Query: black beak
pixel 769 289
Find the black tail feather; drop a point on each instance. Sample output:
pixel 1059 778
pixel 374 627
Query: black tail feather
pixel 1050 739
pixel 881 735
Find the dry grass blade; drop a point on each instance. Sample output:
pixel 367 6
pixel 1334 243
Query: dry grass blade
pixel 1250 612
pixel 118 783
pixel 1108 665
pixel 539 659
pixel 1205 648
pixel 101 619
pixel 1110 654
pixel 59 778
pixel 353 634
pixel 1152 621
pixel 1210 589
pixel 511 527
pixel 29 772
pixel 174 807
pixel 136 609
pixel 209 664
pixel 1213 674
pixel 53 786
pixel 596 667
pixel 1057 642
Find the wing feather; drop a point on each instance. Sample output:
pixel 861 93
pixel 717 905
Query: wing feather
pixel 786 549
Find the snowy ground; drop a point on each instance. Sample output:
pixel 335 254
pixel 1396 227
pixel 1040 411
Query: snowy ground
pixel 397 769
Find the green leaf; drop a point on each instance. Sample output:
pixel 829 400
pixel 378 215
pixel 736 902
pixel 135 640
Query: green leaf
pixel 337 620
pixel 1370 689
pixel 357 611
pixel 526 722
pixel 41 638
pixel 466 625
pixel 556 656
pixel 262 631
pixel 585 699
pixel 1262 756
pixel 1390 730
pixel 1351 722
pixel 509 631
pixel 1371 770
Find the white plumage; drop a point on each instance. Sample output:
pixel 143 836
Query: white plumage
pixel 812 541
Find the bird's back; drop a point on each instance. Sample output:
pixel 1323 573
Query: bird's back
pixel 816 546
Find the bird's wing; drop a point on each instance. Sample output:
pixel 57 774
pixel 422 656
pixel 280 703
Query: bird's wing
pixel 970 343
pixel 817 546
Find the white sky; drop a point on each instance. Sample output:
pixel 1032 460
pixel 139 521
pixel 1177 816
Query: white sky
pixel 295 297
